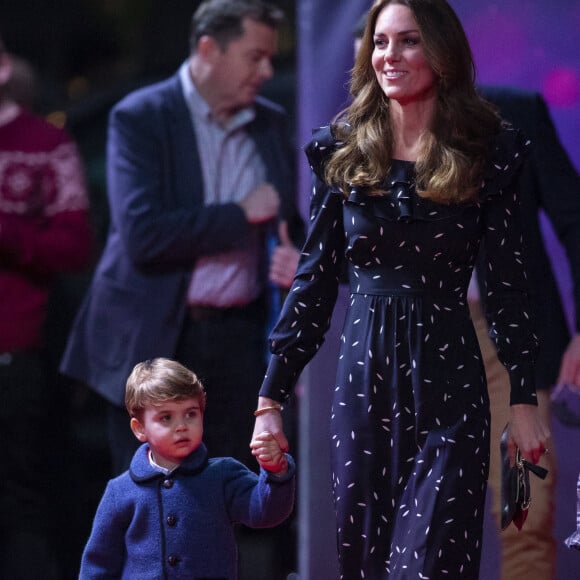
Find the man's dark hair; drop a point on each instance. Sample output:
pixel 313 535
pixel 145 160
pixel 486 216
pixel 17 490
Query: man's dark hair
pixel 223 19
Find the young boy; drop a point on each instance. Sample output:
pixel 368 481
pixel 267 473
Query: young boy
pixel 172 514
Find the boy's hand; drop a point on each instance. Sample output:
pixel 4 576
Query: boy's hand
pixel 267 451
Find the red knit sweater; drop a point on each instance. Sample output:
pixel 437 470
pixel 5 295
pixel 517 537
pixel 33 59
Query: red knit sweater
pixel 44 226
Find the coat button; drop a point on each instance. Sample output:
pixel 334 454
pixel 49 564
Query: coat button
pixel 168 483
pixel 171 520
pixel 172 560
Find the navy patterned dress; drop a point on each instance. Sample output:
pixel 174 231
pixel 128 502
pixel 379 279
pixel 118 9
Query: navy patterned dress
pixel 410 417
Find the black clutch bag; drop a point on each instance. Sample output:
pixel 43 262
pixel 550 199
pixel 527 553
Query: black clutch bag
pixel 515 486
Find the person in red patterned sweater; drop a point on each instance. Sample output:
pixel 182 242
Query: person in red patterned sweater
pixel 44 231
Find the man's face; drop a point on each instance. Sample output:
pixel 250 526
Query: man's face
pixel 239 72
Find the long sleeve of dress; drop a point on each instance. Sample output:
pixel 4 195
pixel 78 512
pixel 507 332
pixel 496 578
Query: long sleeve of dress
pixel 508 309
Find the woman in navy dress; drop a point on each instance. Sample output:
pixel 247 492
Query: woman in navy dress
pixel 413 178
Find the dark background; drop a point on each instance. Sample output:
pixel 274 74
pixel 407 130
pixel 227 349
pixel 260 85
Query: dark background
pixel 85 49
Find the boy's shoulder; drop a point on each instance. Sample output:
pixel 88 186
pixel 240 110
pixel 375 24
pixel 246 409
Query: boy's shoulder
pixel 121 481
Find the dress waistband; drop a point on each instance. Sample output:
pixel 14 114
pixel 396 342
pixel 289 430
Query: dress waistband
pixel 390 282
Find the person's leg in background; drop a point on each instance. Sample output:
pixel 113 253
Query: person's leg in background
pixel 529 554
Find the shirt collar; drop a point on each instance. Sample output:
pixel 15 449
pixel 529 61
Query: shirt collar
pixel 158 467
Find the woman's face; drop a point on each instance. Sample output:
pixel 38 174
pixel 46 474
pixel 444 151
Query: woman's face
pixel 398 58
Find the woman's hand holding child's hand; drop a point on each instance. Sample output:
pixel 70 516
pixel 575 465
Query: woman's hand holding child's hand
pixel 267 451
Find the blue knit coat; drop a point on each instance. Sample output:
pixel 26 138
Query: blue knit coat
pixel 154 526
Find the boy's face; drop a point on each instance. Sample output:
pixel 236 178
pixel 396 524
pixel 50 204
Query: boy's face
pixel 173 430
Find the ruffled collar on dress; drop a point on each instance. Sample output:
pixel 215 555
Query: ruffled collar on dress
pixel 404 203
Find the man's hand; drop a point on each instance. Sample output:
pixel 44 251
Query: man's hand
pixel 284 259
pixel 261 205
pixel 570 365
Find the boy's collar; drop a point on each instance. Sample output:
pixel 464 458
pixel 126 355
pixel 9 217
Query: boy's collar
pixel 142 470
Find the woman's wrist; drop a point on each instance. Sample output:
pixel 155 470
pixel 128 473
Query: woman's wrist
pixel 267 402
pixel 266 405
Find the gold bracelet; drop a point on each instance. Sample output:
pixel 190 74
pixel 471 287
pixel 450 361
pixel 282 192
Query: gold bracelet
pixel 263 410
